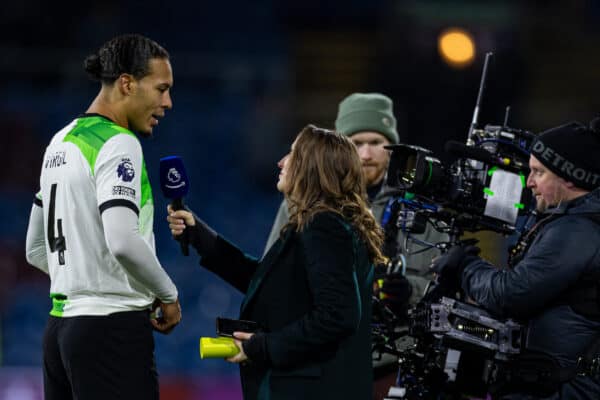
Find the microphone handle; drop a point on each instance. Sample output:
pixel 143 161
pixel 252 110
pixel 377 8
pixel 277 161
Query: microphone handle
pixel 184 238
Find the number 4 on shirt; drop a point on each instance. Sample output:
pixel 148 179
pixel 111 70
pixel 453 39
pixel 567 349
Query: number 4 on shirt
pixel 56 243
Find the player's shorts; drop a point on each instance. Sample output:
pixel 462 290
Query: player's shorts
pixel 100 357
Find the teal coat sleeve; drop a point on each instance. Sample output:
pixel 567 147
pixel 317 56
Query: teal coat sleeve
pixel 231 264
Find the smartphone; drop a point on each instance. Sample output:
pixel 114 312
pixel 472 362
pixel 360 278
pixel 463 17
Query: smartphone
pixel 226 326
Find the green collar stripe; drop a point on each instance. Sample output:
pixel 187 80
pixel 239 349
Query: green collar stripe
pixel 90 134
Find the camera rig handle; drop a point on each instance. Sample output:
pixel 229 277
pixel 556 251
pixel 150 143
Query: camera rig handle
pixel 475 119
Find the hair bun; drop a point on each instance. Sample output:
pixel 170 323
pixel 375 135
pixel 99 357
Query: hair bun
pixel 595 125
pixel 93 66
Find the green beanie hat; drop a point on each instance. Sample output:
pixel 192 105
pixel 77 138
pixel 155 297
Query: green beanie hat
pixel 362 112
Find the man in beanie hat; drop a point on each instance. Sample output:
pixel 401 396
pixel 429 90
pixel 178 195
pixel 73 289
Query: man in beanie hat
pixel 552 283
pixel 368 119
pixel 569 152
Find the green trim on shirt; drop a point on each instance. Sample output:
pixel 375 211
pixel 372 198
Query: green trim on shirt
pixel 146 187
pixel 90 134
pixel 59 301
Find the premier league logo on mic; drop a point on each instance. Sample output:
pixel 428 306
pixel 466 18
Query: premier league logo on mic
pixel 175 185
pixel 174 179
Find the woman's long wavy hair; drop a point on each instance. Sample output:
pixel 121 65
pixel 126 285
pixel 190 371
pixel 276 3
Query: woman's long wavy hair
pixel 324 173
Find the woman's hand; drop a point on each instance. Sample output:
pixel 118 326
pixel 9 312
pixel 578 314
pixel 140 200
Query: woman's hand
pixel 239 337
pixel 178 220
pixel 199 234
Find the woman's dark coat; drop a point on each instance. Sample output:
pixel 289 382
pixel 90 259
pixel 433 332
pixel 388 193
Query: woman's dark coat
pixel 311 294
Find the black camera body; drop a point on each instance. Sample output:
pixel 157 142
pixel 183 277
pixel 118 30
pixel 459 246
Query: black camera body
pixel 485 188
pixel 460 350
pixel 465 326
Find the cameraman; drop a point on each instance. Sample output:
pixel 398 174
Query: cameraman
pixel 368 119
pixel 553 283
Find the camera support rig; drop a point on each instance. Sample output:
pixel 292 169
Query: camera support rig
pixel 458 347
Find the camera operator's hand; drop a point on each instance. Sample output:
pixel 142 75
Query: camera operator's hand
pixel 201 236
pixel 395 291
pixel 450 265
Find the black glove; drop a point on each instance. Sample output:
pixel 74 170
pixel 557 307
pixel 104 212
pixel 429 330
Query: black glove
pixel 450 265
pixel 395 292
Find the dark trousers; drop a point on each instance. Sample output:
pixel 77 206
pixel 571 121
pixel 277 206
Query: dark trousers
pixel 100 357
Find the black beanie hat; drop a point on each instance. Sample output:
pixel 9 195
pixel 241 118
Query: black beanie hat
pixel 571 151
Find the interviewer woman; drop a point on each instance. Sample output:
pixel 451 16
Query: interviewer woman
pixel 311 293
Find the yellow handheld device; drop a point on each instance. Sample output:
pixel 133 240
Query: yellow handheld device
pixel 220 347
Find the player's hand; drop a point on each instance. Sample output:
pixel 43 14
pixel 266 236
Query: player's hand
pixel 238 337
pixel 171 316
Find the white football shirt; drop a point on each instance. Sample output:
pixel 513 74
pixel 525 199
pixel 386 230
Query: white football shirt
pixel 90 165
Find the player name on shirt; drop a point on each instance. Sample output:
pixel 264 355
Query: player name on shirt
pixel 57 159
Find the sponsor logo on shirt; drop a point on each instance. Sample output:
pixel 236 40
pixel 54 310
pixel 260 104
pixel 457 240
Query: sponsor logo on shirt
pixel 125 170
pixel 123 191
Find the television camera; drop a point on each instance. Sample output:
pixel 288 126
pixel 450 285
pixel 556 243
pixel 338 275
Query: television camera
pixel 483 189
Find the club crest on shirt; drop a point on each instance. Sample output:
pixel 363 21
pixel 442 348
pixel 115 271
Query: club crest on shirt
pixel 125 170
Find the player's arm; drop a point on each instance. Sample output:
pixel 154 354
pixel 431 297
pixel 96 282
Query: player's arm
pixel 134 254
pixel 118 173
pixel 35 243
